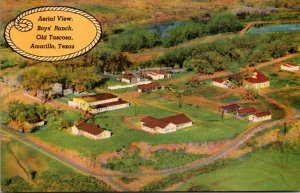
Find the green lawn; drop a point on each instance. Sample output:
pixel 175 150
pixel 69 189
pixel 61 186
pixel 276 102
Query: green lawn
pixel 265 170
pixel 281 79
pixel 290 98
pixel 294 60
pixel 207 126
pixel 231 99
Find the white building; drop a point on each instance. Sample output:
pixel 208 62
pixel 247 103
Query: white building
pixel 221 83
pixel 291 67
pixel 90 130
pixel 260 116
pixel 98 103
pixel 165 125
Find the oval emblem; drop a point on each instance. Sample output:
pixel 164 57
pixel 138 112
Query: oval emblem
pixel 53 33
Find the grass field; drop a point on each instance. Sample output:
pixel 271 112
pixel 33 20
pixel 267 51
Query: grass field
pixel 207 126
pixel 294 60
pixel 290 98
pixel 265 170
pixel 24 169
pixel 281 79
pixel 160 159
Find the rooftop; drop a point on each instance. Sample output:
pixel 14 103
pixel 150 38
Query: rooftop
pixel 231 106
pixel 91 128
pixel 219 80
pixel 128 76
pixel 177 119
pixel 290 64
pixel 120 101
pixel 257 77
pixel 153 122
pixel 262 113
pixel 151 85
pixel 98 97
pixel 247 110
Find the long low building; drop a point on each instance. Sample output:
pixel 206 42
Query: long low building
pixel 260 116
pixel 99 103
pixel 90 130
pixel 165 125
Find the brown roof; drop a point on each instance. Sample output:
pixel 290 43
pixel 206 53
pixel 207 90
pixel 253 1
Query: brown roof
pixel 151 85
pixel 91 128
pixel 128 76
pixel 153 122
pixel 177 119
pixel 289 64
pixel 219 80
pixel 98 97
pixel 120 101
pixel 247 110
pixel 231 106
pixel 260 78
pixel 262 113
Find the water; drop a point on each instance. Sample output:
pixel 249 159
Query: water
pixel 163 28
pixel 276 28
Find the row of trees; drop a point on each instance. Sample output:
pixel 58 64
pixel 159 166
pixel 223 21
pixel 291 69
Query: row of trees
pixel 42 77
pixel 228 54
pixel 134 39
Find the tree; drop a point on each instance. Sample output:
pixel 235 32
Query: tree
pixel 224 22
pixel 63 124
pixel 250 94
pixel 20 113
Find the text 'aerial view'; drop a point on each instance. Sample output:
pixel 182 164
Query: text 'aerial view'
pixel 150 95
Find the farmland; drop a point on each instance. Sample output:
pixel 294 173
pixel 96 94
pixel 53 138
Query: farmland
pixel 264 170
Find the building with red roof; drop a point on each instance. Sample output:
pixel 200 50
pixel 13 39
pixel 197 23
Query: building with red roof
pixel 230 108
pixel 246 111
pixel 289 66
pixel 257 80
pixel 221 82
pixel 165 125
pixel 130 78
pixel 90 130
pixel 260 116
pixel 149 87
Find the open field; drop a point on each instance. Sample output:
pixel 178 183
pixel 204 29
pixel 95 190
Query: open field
pixel 290 97
pixel 264 170
pixel 25 169
pixel 281 79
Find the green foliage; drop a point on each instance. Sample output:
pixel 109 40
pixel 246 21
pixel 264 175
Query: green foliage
pixel 161 159
pixel 228 54
pixel 187 31
pixel 224 22
pixel 21 113
pixel 71 183
pixel 55 183
pixel 127 180
pixel 127 164
pixel 15 184
pixel 169 180
pixel 43 76
pixel 134 39
pixel 165 159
